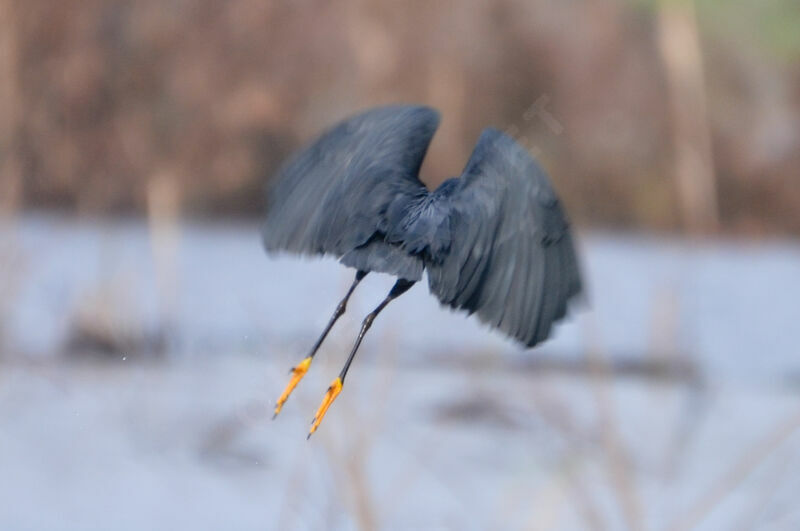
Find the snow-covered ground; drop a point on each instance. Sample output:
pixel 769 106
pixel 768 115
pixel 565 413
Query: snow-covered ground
pixel 442 425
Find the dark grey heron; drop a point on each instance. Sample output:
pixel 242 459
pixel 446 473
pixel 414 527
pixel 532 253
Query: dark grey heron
pixel 494 241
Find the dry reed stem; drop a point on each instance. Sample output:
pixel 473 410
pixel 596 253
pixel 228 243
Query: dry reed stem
pixel 736 475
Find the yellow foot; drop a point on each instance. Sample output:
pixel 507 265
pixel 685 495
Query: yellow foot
pixel 297 374
pixel 330 396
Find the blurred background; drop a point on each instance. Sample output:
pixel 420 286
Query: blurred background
pixel 144 335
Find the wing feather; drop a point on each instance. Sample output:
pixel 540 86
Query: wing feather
pixel 511 258
pixel 330 198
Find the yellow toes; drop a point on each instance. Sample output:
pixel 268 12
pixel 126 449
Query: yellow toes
pixel 297 374
pixel 333 391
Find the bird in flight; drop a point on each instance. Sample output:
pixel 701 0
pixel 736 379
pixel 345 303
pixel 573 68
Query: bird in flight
pixel 495 241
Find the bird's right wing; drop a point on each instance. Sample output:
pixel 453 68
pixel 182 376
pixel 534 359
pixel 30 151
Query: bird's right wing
pixel 329 198
pixel 511 258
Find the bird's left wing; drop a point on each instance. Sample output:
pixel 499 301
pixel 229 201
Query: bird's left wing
pixel 330 197
pixel 511 259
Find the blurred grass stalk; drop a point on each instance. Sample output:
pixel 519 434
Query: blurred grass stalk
pixel 163 211
pixel 679 44
pixel 617 458
pixel 10 185
pixel 736 475
pixel 10 104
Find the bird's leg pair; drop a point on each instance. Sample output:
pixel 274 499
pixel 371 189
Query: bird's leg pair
pixel 301 368
pixel 400 287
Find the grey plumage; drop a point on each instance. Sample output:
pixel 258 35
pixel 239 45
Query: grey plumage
pixel 332 198
pixel 495 241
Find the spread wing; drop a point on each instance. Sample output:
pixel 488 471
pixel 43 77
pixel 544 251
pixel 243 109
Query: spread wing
pixel 511 258
pixel 330 197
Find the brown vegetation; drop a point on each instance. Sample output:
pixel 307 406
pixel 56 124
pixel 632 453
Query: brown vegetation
pixel 98 99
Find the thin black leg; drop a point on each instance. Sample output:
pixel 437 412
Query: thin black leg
pixel 400 287
pixel 340 309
